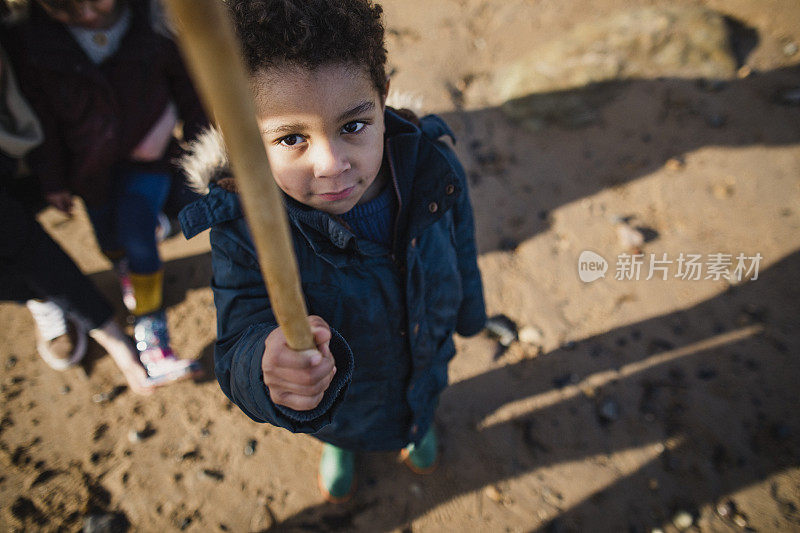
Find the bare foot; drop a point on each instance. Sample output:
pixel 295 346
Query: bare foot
pixel 121 349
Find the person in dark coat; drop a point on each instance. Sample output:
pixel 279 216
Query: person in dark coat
pixel 34 270
pixel 382 227
pixel 108 83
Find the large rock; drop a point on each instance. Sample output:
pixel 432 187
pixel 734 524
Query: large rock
pixel 549 83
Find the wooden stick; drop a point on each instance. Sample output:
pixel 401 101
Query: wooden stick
pixel 213 55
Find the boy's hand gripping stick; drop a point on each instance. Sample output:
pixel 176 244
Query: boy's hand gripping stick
pixel 213 55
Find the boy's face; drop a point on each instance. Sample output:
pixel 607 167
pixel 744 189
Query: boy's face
pixel 323 131
pixel 89 14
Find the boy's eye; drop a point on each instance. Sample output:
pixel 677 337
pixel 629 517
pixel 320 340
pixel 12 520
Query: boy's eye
pixel 291 140
pixel 353 127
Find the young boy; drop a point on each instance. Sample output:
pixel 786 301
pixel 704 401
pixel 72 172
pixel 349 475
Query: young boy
pixel 382 228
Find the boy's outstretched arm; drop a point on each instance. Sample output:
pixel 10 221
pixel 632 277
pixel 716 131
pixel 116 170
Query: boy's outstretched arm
pixel 299 391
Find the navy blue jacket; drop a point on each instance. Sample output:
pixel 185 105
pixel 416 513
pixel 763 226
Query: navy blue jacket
pixel 392 312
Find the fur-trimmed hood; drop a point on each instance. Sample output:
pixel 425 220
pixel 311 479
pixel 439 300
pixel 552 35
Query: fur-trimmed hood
pixel 205 160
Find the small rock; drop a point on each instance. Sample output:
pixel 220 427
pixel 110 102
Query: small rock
pixel 494 493
pixel 790 48
pixel 716 120
pixel 682 520
pixel 250 448
pixel 674 164
pixel 11 362
pixel 628 237
pixel 562 381
pixel 65 389
pixel 106 523
pixel 726 509
pixel 502 328
pixel 138 435
pixel 740 520
pixel 608 411
pixel 789 96
pixel 744 72
pixel 722 192
pixel 207 473
pixel 531 335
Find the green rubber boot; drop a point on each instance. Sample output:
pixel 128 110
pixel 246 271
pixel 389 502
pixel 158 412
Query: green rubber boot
pixel 337 474
pixel 422 458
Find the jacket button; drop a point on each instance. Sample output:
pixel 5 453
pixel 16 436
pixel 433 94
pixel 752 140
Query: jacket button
pixel 432 207
pixel 450 189
pixel 414 242
pixel 416 329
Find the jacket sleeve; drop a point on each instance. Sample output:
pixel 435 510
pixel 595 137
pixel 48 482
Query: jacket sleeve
pixel 472 311
pixel 48 160
pixel 244 320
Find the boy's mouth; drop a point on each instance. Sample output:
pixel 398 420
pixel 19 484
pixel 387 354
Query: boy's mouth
pixel 340 195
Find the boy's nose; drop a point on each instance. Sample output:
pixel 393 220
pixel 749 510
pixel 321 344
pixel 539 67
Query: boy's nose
pixel 329 161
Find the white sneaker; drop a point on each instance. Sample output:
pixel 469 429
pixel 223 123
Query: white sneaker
pixel 60 340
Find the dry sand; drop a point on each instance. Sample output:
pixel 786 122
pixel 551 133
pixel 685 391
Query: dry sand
pixel 643 404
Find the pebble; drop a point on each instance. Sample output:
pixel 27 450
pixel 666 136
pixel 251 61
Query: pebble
pixel 494 494
pixel 136 436
pixel 207 473
pixel 674 164
pixel 629 237
pixel 250 448
pixel 11 362
pixel 790 48
pixel 531 335
pixel 722 192
pixel 562 381
pixel 608 411
pixel 65 389
pixel 740 520
pixel 726 509
pixel 790 96
pixel 502 328
pixel 105 523
pixel 716 120
pixel 682 520
pixel 744 72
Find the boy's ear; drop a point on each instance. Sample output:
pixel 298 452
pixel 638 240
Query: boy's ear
pixel 385 92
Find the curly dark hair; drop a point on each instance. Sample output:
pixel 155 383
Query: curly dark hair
pixel 311 33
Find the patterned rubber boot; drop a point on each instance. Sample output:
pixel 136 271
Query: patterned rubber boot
pixel 160 362
pixel 422 458
pixel 123 272
pixel 337 474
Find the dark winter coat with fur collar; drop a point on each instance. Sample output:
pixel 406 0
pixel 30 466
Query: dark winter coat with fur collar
pixel 392 312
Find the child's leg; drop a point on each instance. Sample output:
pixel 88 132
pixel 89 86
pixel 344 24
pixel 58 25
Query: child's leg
pixel 142 196
pixel 336 479
pixel 423 456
